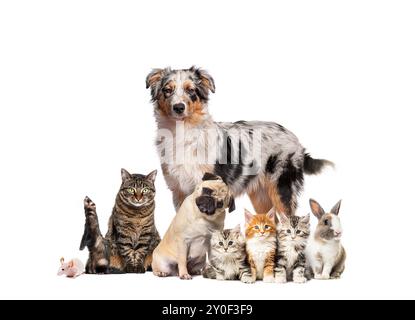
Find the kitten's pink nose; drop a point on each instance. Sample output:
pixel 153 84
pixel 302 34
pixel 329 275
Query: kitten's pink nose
pixel 337 233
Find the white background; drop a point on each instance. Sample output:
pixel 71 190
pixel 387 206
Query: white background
pixel 74 110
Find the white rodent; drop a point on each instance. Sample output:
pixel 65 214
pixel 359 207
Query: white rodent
pixel 72 268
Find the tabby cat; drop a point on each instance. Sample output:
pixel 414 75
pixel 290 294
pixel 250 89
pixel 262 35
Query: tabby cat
pixel 292 239
pixel 132 234
pixel 261 244
pixel 227 257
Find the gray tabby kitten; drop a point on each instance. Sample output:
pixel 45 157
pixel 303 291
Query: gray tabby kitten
pixel 227 257
pixel 293 233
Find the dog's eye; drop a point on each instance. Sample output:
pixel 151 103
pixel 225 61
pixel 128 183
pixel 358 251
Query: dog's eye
pixel 167 90
pixel 326 222
pixel 190 91
pixel 221 243
pixel 230 243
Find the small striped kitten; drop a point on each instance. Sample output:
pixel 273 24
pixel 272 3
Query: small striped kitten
pixel 132 234
pixel 227 257
pixel 293 233
pixel 261 244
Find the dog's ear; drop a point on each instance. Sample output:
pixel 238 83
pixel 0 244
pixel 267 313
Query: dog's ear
pixel 86 239
pixel 153 81
pixel 231 204
pixel 205 81
pixel 209 176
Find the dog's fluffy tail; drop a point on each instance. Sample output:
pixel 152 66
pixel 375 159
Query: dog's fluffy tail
pixel 315 166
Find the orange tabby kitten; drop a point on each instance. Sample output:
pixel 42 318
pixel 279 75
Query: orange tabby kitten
pixel 261 243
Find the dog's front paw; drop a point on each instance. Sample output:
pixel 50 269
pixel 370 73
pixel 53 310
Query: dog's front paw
pixel 160 274
pixel 186 276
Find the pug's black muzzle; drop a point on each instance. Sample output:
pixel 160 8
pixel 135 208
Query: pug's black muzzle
pixel 208 204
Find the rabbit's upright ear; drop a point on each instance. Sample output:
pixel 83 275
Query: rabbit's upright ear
pixel 62 260
pixel 335 210
pixel 316 209
pixel 86 239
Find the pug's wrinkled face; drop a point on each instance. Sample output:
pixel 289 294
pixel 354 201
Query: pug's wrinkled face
pixel 213 196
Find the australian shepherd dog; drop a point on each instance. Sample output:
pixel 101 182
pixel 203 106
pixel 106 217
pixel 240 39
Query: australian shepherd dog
pixel 262 159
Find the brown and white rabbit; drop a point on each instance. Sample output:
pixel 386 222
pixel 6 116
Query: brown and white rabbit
pixel 325 254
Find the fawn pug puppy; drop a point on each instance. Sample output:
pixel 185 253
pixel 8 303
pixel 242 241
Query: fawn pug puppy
pixel 183 249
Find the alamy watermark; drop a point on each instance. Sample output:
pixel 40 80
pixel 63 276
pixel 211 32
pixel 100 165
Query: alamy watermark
pixel 215 145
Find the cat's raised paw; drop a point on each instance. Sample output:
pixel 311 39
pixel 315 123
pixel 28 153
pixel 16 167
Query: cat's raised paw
pixel 186 276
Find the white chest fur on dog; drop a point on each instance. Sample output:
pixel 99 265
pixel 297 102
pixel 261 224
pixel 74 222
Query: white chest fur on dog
pixel 187 153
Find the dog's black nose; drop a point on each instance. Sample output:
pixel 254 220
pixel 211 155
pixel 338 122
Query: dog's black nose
pixel 179 108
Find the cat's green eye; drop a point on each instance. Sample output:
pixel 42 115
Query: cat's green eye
pixel 257 227
pixel 145 190
pixel 221 243
pixel 131 190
